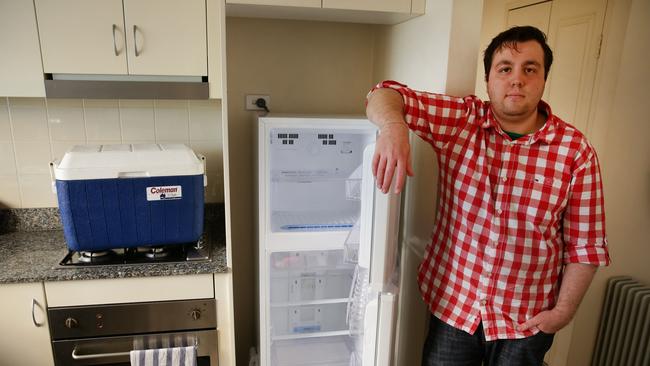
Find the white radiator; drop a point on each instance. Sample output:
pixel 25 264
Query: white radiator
pixel 624 333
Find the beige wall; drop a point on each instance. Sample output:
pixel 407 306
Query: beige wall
pixel 625 161
pixel 307 68
pixel 34 131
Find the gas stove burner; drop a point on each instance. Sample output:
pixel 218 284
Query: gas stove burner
pixel 101 256
pixel 176 253
pixel 155 252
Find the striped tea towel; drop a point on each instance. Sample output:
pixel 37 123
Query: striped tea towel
pixel 176 356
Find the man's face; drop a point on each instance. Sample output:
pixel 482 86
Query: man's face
pixel 516 81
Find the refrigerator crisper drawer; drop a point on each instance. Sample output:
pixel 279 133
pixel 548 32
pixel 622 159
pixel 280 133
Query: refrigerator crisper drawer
pixel 332 351
pixel 306 319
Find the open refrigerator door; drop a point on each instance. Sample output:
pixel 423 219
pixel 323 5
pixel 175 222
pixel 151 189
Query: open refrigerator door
pixel 372 307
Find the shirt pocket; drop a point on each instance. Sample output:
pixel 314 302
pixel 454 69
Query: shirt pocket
pixel 544 198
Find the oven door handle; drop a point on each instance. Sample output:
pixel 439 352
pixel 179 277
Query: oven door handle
pixel 76 356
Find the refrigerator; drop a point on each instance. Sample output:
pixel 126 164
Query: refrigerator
pixel 328 251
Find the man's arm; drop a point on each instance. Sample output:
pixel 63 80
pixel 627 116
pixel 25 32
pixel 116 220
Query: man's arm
pixel 392 152
pixel 575 281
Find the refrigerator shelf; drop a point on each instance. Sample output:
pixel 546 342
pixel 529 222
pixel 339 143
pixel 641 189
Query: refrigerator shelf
pixel 312 302
pixel 297 221
pixel 335 333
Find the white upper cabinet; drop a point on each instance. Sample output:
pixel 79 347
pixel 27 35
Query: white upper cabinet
pixel 166 37
pixel 21 72
pixel 298 3
pixel 395 6
pixel 136 37
pixel 355 11
pixel 82 37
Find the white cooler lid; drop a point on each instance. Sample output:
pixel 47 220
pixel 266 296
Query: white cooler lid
pixel 127 161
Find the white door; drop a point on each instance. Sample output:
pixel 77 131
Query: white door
pixel 166 37
pixel 377 263
pixel 575 34
pixel 82 37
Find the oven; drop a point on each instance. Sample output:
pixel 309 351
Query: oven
pixel 105 334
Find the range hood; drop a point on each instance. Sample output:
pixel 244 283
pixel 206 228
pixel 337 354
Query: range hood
pixel 125 86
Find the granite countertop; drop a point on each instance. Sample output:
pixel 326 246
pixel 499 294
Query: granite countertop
pixel 33 255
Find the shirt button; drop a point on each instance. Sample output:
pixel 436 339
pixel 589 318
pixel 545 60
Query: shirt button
pixel 499 211
pixel 504 179
pixel 483 302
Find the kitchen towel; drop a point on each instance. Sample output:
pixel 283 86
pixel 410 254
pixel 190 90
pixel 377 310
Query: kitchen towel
pixel 175 356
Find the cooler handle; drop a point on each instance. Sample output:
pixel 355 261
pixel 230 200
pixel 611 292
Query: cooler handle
pixel 53 165
pixel 205 169
pixel 138 174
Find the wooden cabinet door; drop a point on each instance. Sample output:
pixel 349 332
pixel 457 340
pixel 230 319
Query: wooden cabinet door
pixel 21 72
pixel 394 6
pixel 81 36
pixel 25 338
pixel 166 37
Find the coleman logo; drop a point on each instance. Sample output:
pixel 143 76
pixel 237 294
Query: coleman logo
pixel 164 193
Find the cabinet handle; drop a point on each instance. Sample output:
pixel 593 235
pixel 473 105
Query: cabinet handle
pixel 114 42
pixel 135 42
pixel 34 303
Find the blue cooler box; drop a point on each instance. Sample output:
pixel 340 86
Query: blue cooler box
pixel 122 196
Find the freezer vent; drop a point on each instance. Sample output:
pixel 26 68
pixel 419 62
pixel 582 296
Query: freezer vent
pixel 288 138
pixel 624 333
pixel 327 138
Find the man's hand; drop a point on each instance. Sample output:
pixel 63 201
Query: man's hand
pixel 392 157
pixel 392 151
pixel 549 321
pixel 575 281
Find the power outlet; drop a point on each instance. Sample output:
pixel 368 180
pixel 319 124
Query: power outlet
pixel 252 98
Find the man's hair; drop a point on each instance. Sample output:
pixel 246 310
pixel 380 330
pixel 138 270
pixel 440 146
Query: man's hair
pixel 510 38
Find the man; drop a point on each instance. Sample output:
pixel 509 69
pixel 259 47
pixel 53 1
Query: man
pixel 520 228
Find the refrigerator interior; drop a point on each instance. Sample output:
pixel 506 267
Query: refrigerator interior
pixel 309 307
pixel 315 178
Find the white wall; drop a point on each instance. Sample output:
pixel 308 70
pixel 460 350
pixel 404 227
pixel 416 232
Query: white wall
pixel 34 131
pixel 306 67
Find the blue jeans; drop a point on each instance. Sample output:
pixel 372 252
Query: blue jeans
pixel 448 346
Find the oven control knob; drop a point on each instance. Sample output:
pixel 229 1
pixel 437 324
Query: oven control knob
pixel 195 314
pixel 71 323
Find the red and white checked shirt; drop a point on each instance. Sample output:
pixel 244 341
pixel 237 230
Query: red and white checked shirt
pixel 511 213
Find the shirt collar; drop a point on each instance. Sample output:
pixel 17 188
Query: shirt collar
pixel 546 134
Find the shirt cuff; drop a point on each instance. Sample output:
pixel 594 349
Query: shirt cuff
pixel 596 255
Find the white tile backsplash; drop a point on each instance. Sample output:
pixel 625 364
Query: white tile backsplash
pixel 205 120
pixel 7 158
pixel 66 119
pixel 137 120
pixel 34 131
pixel 29 119
pixel 36 190
pixel 5 127
pixel 32 157
pixel 9 192
pixel 171 120
pixel 102 119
